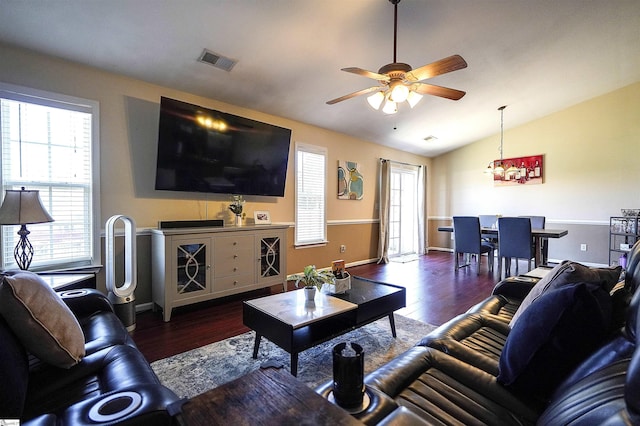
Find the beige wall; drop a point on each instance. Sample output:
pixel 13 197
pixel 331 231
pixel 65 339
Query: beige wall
pixel 591 158
pixel 129 112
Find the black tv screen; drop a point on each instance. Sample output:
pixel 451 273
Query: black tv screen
pixel 203 150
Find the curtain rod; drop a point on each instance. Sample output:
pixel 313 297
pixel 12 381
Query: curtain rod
pixel 382 160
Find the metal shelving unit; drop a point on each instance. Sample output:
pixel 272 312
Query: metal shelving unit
pixel 623 234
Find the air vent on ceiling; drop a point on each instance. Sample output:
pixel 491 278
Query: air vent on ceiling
pixel 218 61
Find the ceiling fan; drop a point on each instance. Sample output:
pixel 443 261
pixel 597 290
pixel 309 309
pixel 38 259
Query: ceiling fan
pixel 399 82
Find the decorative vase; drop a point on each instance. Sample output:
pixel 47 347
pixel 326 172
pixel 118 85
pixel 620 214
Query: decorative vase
pixel 310 293
pixel 238 220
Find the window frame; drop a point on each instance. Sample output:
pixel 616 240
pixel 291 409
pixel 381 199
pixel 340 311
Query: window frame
pixel 57 100
pixel 318 150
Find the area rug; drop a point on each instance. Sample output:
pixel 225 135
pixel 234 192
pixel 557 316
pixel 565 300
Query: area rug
pixel 196 371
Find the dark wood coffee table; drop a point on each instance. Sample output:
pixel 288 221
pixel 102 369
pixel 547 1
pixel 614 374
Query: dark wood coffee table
pixel 262 397
pixel 295 325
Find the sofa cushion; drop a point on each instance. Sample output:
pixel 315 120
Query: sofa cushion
pixel 553 335
pixel 40 319
pixel 14 373
pixel 568 272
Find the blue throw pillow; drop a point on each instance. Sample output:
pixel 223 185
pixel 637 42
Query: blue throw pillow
pixel 553 336
pixel 14 373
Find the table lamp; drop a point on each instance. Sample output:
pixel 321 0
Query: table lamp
pixel 23 207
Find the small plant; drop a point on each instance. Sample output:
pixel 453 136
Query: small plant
pixel 311 277
pixel 237 205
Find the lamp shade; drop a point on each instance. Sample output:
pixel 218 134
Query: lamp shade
pixel 389 107
pixel 375 100
pixel 22 207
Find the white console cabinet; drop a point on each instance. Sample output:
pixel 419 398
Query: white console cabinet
pixel 191 265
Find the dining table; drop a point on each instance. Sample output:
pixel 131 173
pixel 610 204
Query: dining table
pixel 538 236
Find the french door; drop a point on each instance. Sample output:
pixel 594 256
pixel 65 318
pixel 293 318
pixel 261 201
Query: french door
pixel 403 210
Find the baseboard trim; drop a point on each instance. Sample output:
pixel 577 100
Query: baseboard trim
pixel 143 307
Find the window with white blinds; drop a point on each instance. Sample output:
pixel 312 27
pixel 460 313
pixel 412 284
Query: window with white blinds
pixel 311 170
pixel 47 144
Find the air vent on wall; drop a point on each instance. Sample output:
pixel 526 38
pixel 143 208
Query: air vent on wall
pixel 218 61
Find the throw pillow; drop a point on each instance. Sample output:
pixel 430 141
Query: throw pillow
pixel 40 319
pixel 568 272
pixel 553 336
pixel 14 373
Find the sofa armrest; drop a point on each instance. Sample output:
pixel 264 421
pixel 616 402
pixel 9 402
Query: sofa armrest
pixel 86 301
pixel 140 405
pixel 515 287
pixel 475 339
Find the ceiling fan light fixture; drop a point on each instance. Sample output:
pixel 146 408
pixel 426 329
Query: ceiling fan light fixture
pixel 399 92
pixel 390 107
pixel 398 80
pixel 413 98
pixel 375 100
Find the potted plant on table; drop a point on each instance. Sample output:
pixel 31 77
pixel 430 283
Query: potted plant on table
pixel 312 279
pixel 236 208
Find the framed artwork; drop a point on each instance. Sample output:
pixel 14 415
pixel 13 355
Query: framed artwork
pixel 350 181
pixel 262 217
pixel 519 171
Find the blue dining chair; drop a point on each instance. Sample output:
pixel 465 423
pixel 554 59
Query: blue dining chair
pixel 514 242
pixel 538 222
pixel 489 221
pixel 467 241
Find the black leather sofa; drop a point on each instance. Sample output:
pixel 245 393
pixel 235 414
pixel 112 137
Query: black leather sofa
pixel 456 374
pixel 111 384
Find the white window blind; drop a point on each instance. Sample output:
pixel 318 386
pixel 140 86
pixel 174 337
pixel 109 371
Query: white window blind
pixel 310 194
pixel 47 146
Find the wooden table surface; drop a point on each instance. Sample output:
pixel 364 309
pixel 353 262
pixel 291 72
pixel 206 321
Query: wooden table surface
pixel 263 397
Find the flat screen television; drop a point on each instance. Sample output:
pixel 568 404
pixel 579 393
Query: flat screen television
pixel 203 150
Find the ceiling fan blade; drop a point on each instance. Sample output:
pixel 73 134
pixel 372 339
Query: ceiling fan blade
pixel 365 73
pixel 443 66
pixel 354 94
pixel 443 92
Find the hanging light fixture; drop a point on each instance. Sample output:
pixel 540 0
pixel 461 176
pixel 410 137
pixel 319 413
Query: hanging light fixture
pixel 497 167
pixel 399 82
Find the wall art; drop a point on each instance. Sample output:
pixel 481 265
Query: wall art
pixel 350 181
pixel 519 171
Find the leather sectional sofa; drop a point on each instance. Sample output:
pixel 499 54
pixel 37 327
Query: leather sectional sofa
pixel 568 358
pixel 66 359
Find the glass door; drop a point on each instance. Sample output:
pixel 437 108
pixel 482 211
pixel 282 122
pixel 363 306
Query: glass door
pixel 403 214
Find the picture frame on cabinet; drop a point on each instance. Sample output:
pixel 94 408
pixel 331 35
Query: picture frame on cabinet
pixel 262 217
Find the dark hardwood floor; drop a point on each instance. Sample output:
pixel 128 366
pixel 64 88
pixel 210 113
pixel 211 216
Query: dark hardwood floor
pixel 435 294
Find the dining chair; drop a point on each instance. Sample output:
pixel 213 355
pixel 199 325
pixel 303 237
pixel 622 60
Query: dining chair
pixel 489 221
pixel 514 241
pixel 467 241
pixel 538 222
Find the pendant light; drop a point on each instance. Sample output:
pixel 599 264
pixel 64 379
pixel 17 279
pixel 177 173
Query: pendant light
pixel 497 167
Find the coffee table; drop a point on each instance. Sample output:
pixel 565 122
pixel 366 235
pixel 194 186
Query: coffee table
pixel 295 325
pixel 262 397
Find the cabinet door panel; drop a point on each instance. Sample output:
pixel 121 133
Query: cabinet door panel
pixel 191 267
pixel 271 265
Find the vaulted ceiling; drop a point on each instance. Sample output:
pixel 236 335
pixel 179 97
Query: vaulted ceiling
pixel 536 56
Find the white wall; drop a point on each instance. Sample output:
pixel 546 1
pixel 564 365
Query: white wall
pixel 129 111
pixel 592 169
